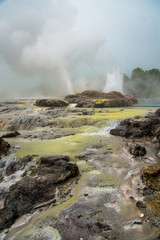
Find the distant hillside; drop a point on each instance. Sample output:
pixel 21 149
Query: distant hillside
pixel 143 84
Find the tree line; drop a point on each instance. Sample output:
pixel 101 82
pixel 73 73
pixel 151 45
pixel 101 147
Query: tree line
pixel 143 84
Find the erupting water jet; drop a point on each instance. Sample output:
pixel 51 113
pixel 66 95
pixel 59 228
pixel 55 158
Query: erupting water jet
pixel 114 82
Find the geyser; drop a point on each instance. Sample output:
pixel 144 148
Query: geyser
pixel 114 81
pixel 87 39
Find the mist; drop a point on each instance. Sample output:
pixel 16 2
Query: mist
pixel 57 47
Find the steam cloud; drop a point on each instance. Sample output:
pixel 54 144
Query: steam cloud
pixel 57 47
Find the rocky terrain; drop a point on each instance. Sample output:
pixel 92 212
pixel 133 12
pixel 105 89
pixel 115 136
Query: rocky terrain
pixel 90 98
pixel 63 176
pixel 139 132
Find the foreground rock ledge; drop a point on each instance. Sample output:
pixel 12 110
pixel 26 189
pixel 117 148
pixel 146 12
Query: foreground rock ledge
pixel 35 188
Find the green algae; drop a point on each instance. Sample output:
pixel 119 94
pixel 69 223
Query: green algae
pixel 70 145
pixel 51 212
pixel 109 178
pixel 97 118
pixel 84 167
pixel 25 102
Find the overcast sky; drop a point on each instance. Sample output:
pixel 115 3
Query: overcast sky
pixel 63 46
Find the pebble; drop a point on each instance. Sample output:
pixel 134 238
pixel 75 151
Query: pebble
pixel 140 204
pixel 86 194
pixel 139 222
pixel 141 215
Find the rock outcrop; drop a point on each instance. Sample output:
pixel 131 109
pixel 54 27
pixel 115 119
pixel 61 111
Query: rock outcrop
pixel 51 103
pixel 4 147
pixel 27 122
pixel 139 127
pixel 11 134
pixel 82 220
pixel 91 98
pixel 137 150
pixel 151 176
pixel 37 186
pixel 146 131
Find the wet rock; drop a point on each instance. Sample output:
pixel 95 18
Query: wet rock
pixel 4 147
pixel 138 222
pixel 84 113
pixel 11 134
pixel 42 233
pixel 158 112
pixel 12 168
pixel 31 191
pixel 51 103
pixel 139 127
pixel 122 131
pixel 140 204
pixel 27 122
pixel 80 221
pixel 50 161
pixel 151 177
pixel 147 191
pixel 17 164
pixel 137 150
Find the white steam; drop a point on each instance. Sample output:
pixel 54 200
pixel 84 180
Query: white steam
pixel 114 82
pixel 58 47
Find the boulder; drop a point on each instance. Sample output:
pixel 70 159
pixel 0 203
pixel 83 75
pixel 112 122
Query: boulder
pixel 18 164
pixel 11 134
pixel 151 176
pixel 139 127
pixel 137 150
pixel 51 103
pixel 140 204
pixel 4 147
pixel 122 131
pixel 36 188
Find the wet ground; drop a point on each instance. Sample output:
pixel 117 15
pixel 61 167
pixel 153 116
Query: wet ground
pixel 102 203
